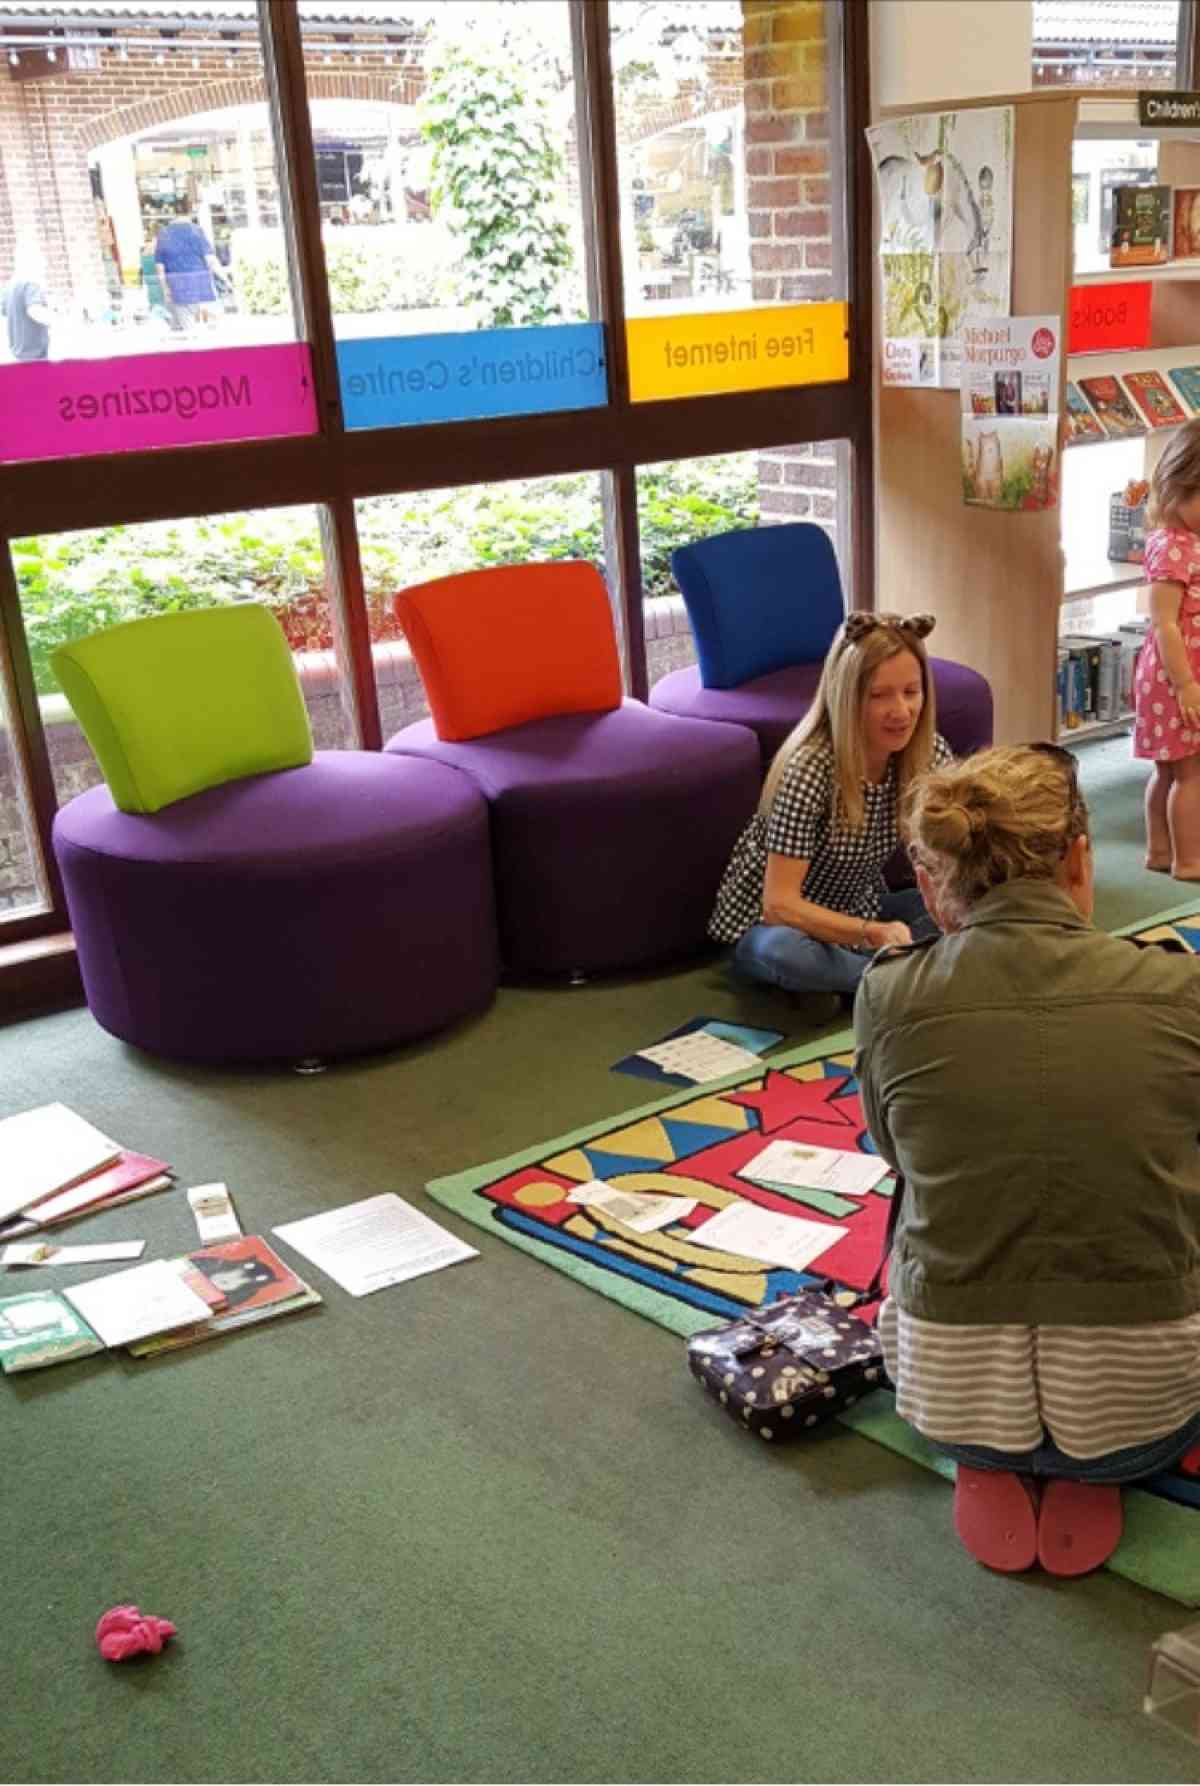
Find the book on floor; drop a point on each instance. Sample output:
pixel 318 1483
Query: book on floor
pixel 41 1327
pixel 130 1305
pixel 1149 391
pixel 130 1175
pixel 45 1150
pixel 253 1283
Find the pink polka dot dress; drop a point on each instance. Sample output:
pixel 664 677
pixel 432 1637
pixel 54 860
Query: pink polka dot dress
pixel 1172 556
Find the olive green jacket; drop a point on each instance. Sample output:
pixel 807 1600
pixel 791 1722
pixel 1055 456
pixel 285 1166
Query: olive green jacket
pixel 1037 1082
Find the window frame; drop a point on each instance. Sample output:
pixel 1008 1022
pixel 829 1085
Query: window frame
pixel 335 467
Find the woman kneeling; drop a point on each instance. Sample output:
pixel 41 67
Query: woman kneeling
pixel 1037 1083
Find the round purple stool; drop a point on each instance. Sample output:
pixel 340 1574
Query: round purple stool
pixel 771 705
pixel 610 831
pixel 322 910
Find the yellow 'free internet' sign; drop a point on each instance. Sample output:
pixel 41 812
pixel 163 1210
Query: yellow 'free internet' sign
pixel 737 350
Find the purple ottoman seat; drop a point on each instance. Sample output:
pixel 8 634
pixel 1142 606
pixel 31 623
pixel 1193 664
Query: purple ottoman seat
pixel 610 831
pixel 771 705
pixel 339 906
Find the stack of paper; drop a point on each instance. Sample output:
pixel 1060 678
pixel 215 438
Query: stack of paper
pixel 246 1282
pixel 55 1165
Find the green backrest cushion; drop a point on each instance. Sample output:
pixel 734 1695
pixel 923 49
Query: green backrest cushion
pixel 183 702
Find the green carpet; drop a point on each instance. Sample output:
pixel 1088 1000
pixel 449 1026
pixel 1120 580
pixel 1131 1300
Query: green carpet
pixel 483 1527
pixel 692 1141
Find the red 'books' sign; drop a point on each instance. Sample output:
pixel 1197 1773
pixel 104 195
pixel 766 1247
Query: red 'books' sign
pixel 1102 318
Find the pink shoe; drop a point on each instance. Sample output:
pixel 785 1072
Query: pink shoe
pixel 995 1515
pixel 1079 1525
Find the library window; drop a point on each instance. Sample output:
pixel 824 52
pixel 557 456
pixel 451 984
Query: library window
pixel 452 193
pixel 438 533
pixel 140 215
pixel 731 194
pixel 450 218
pixel 691 499
pixel 72 584
pixel 1104 43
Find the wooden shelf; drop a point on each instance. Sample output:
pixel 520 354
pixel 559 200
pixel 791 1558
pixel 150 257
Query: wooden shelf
pixel 1098 576
pixel 1103 728
pixel 1174 269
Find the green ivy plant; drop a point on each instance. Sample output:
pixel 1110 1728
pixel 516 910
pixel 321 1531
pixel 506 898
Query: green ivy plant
pixel 497 177
pixel 75 583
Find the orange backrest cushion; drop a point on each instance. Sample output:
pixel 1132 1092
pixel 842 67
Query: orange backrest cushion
pixel 523 641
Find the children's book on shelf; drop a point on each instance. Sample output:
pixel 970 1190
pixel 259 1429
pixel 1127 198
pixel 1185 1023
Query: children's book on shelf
pixel 40 1327
pixel 1185 243
pixel 45 1150
pixel 1081 422
pixel 253 1282
pixel 1186 380
pixel 1112 407
pixel 1141 226
pixel 1149 391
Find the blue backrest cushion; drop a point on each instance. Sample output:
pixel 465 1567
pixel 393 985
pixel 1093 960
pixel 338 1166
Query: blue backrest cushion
pixel 760 599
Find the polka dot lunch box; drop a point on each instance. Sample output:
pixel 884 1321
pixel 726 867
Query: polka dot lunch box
pixel 781 1370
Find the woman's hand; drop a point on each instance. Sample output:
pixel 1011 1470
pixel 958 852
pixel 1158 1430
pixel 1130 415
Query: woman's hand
pixel 882 936
pixel 1189 703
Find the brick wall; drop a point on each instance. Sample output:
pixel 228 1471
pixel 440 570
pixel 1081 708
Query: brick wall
pixel 49 125
pixel 793 253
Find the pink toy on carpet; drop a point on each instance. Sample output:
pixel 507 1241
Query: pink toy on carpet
pixel 125 1631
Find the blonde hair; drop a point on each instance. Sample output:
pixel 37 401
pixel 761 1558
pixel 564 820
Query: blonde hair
pixel 861 644
pixel 1176 476
pixel 1001 815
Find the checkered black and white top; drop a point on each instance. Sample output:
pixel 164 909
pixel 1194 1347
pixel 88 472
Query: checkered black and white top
pixel 845 872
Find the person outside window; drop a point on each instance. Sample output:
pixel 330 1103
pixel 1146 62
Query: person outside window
pixel 26 307
pixel 188 267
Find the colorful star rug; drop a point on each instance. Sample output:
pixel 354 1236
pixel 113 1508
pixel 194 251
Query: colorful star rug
pixel 697 1144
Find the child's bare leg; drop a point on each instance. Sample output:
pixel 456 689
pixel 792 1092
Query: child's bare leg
pixel 1183 817
pixel 1158 832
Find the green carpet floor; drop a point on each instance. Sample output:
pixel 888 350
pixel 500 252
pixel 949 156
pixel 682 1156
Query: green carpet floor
pixel 483 1527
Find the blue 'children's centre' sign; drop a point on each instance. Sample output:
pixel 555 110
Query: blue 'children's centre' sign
pixel 402 379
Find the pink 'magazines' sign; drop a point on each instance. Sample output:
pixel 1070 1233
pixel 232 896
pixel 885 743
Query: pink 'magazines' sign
pixel 61 409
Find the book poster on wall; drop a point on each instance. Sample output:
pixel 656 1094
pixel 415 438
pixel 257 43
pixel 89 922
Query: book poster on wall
pixel 1010 376
pixel 945 244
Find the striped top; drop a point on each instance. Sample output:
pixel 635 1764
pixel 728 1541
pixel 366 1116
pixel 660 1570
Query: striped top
pixel 1092 1389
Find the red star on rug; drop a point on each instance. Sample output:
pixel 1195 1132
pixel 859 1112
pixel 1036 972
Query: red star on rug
pixel 783 1100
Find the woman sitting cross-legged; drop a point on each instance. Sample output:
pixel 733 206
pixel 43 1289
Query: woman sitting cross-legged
pixel 803 899
pixel 1037 1083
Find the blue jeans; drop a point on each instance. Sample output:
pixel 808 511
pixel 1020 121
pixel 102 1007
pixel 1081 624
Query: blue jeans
pixel 1126 1465
pixel 790 958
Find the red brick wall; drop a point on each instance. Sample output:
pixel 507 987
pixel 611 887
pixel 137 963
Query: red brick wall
pixel 790 186
pixel 49 125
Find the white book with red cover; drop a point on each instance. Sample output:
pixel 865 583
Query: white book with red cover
pixel 45 1150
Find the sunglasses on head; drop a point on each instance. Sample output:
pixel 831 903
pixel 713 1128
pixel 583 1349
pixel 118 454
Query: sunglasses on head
pixel 1070 765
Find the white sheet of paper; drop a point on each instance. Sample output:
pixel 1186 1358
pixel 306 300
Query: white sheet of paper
pixel 129 1305
pixel 700 1056
pixel 776 1239
pixel 366 1246
pixel 639 1211
pixel 44 1252
pixel 815 1168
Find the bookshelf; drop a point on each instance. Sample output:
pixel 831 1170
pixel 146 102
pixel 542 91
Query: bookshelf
pixel 1005 587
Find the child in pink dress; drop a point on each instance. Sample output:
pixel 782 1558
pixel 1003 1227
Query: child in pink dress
pixel 1167 680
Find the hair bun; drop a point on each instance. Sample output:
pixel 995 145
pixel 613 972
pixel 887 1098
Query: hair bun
pixel 857 624
pixel 919 624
